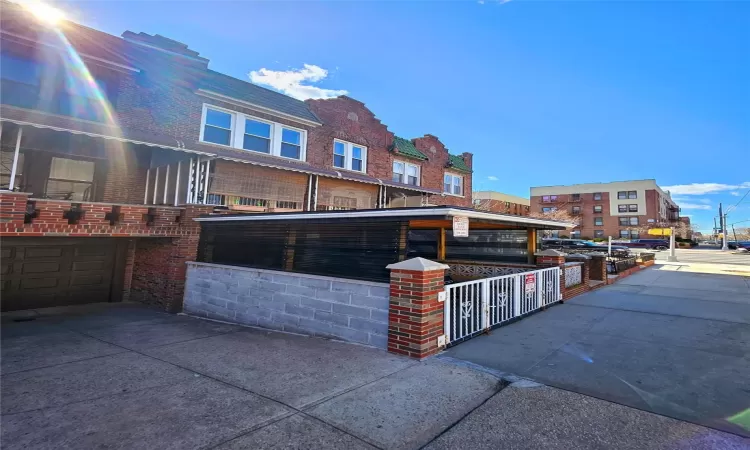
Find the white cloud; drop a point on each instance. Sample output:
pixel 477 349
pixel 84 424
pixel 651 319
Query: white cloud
pixel 292 82
pixel 735 193
pixel 492 178
pixel 703 188
pixel 694 206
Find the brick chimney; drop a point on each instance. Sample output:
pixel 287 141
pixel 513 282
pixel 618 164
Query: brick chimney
pixel 468 157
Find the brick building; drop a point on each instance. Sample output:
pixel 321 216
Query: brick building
pixel 111 145
pixel 621 209
pixel 501 203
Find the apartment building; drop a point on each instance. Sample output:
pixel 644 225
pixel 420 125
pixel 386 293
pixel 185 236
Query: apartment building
pixel 110 145
pixel 501 203
pixel 621 209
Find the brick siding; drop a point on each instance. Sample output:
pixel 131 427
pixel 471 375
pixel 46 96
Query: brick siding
pixel 355 311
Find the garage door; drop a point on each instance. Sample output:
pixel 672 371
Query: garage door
pixel 44 272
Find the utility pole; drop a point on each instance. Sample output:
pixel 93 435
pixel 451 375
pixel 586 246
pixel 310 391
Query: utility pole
pixel 723 224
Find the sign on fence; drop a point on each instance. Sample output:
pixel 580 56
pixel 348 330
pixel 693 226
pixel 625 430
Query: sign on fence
pixel 460 226
pixel 530 283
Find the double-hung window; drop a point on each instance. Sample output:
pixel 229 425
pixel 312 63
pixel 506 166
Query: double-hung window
pixel 598 221
pixel 291 143
pixel 453 184
pixel 405 173
pixel 597 208
pixel 349 156
pixel 217 128
pixel 245 132
pixel 257 136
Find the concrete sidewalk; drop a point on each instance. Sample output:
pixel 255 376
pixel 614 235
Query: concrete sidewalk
pixel 673 342
pixel 123 376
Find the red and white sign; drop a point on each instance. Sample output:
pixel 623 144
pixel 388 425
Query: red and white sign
pixel 460 226
pixel 530 283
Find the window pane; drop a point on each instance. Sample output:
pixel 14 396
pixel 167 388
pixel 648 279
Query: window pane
pixel 356 152
pixel 457 181
pixel 622 194
pixel 68 190
pixel 19 69
pixel 290 151
pixel 398 177
pixel 219 119
pixel 633 208
pixel 258 128
pixel 290 136
pixel 446 187
pixel 411 170
pixel 398 167
pixel 339 149
pixel 447 179
pixel 338 161
pixel 256 144
pixel 216 135
pixel 71 169
pixel 457 189
pixel 632 194
pixel 633 221
pixel 412 180
pixel 622 208
pixel 357 165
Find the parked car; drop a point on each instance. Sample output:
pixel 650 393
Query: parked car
pixel 580 244
pixel 652 244
pixel 739 245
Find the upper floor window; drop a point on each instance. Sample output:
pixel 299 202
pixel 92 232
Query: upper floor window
pixel 576 210
pixel 598 221
pixel 349 156
pixel 597 195
pixel 598 233
pixel 250 133
pixel 405 173
pixel 575 197
pixel 20 70
pixel 597 208
pixel 217 127
pixel 627 195
pixel 257 136
pixel 453 184
pixel 627 221
pixel 548 210
pixel 549 198
pixel 632 208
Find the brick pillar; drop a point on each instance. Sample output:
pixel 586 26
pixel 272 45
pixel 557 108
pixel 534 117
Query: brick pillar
pixel 598 266
pixel 415 316
pixel 552 258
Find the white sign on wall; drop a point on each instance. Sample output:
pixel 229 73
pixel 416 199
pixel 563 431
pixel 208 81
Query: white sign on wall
pixel 460 226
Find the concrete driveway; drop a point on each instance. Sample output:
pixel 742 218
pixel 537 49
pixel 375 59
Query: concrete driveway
pixel 672 340
pixel 124 376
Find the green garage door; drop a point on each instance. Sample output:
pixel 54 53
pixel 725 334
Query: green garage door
pixel 44 272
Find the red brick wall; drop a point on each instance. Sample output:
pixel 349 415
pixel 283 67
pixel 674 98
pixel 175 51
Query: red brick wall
pixel 349 120
pixel 434 169
pixel 500 206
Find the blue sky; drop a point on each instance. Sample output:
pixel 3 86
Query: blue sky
pixel 542 93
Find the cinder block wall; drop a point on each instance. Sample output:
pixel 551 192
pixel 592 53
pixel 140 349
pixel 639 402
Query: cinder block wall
pixel 350 310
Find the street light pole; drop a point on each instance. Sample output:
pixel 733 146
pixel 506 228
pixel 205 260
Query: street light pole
pixel 723 225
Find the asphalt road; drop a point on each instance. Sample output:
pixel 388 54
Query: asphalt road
pixel 706 255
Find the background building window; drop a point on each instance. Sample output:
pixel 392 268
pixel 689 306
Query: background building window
pixel 548 210
pixel 624 221
pixel 257 136
pixel 597 208
pixel 405 173
pixel 453 184
pixel 575 197
pixel 598 221
pixel 632 208
pixel 597 195
pixel 622 208
pixel 575 234
pixel 576 210
pixel 349 156
pixel 218 127
pixel 625 234
pixel 622 195
pixel 633 221
pixel 598 233
pixel 632 195
pixel 549 198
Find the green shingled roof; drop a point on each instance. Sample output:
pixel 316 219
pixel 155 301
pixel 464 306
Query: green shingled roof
pixel 406 148
pixel 456 162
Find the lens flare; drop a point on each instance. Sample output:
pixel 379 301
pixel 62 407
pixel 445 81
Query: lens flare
pixel 44 12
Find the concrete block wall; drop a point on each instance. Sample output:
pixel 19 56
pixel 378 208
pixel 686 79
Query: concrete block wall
pixel 349 310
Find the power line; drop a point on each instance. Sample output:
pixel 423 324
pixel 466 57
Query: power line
pixel 732 208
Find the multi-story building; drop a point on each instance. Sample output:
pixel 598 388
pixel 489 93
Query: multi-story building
pixel 110 145
pixel 501 203
pixel 621 209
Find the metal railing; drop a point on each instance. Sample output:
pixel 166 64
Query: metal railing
pixel 473 307
pixel 618 265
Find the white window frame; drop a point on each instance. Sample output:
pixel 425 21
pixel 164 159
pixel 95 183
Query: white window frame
pixel 237 135
pixel 349 156
pixel 452 184
pixel 406 169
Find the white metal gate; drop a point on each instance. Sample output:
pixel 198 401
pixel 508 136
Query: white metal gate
pixel 474 306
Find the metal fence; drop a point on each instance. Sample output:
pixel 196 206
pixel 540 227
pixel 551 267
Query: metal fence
pixel 474 306
pixel 618 265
